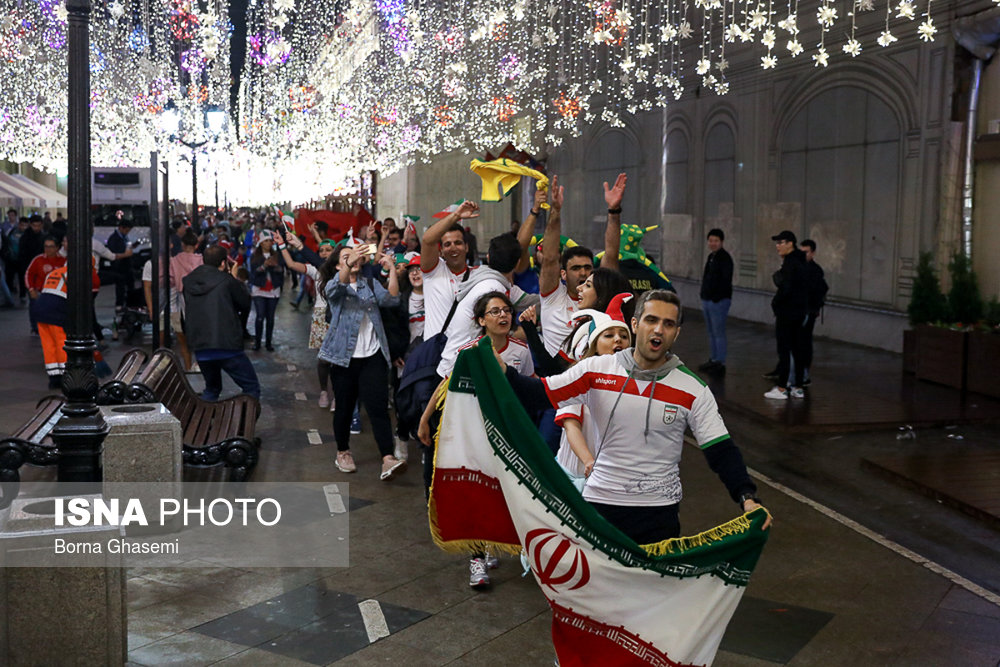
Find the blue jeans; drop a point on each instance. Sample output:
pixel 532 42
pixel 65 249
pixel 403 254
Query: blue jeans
pixel 715 321
pixel 238 368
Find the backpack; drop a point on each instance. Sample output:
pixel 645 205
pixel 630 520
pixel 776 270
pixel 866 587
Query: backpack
pixel 420 378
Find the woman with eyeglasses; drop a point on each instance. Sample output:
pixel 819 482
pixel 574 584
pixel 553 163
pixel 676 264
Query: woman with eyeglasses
pixel 494 313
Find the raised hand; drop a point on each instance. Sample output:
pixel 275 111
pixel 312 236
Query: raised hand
pixel 529 314
pixel 541 197
pixel 556 194
pixel 468 209
pixel 614 195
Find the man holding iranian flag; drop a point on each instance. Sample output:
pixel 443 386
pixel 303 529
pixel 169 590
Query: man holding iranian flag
pixel 614 602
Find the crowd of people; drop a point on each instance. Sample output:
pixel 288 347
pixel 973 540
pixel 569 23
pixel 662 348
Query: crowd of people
pixel 391 311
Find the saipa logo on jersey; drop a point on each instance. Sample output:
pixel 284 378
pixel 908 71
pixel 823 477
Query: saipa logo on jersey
pixel 556 559
pixel 669 414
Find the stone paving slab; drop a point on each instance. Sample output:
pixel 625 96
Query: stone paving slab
pixel 882 609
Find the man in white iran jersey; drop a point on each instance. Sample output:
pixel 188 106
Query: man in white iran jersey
pixel 644 398
pixel 561 275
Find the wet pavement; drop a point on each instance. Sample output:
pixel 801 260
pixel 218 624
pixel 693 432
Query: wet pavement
pixel 859 570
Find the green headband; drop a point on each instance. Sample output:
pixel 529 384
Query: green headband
pixel 327 242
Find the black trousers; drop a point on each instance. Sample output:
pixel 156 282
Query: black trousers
pixel 364 379
pixel 790 335
pixel 264 307
pixel 807 342
pixel 645 525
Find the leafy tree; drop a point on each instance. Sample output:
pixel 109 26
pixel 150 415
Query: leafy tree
pixel 927 303
pixel 964 300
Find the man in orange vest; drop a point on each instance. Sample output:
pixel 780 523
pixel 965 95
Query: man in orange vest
pixel 49 312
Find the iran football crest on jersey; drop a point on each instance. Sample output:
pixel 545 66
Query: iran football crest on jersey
pixel 669 414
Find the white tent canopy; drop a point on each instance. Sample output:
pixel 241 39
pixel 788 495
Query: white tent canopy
pixel 13 194
pixel 49 198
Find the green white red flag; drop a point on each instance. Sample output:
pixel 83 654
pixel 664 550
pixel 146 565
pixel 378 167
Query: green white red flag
pixel 448 210
pixel 497 486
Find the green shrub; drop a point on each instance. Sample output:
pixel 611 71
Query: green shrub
pixel 927 303
pixel 964 300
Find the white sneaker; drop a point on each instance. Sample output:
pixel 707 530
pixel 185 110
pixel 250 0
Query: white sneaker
pixel 477 573
pixel 777 392
pixel 797 392
pixel 324 399
pixel 401 452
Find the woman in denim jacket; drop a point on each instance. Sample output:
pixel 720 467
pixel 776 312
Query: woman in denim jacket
pixel 358 353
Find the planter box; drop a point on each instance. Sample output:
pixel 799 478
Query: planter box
pixel 983 374
pixel 909 351
pixel 941 355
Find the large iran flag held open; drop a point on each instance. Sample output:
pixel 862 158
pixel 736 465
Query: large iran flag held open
pixel 497 486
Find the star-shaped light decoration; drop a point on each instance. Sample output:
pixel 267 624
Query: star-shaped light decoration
pixel 536 41
pixel 551 37
pixel 722 65
pixel 886 38
pixel 624 17
pixel 552 10
pixel 459 67
pixel 517 10
pixel 284 5
pixel 116 10
pixel 658 80
pixel 789 24
pixel 794 47
pixel 768 61
pixel 927 30
pixel 703 66
pixel 826 15
pixel 866 6
pixel 641 75
pixel 821 57
pixel 632 108
pixel 601 36
pixel 731 33
pixel 667 33
pixel 627 64
pixel 722 88
pixel 684 30
pixel 645 50
pixel 768 38
pixel 61 12
pixel 852 48
pixel 279 21
pixel 905 10
pixel 758 19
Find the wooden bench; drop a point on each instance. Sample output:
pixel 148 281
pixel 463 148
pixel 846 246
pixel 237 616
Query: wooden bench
pixel 214 432
pixel 32 443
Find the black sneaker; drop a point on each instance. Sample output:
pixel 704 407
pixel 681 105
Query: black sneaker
pixel 708 365
pixel 256 346
pixel 717 369
pixel 807 382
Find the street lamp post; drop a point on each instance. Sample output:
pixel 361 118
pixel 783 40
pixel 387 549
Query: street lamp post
pixel 213 121
pixel 81 430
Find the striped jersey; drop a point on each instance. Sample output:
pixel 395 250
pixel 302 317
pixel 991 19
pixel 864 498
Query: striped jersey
pixel 641 426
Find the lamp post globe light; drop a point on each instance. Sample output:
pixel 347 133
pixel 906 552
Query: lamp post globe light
pixel 194 135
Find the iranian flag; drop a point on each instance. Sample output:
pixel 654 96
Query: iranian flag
pixel 448 210
pixel 497 486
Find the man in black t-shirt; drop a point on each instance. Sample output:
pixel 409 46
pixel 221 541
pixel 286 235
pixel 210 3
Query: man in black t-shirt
pixel 817 298
pixel 716 297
